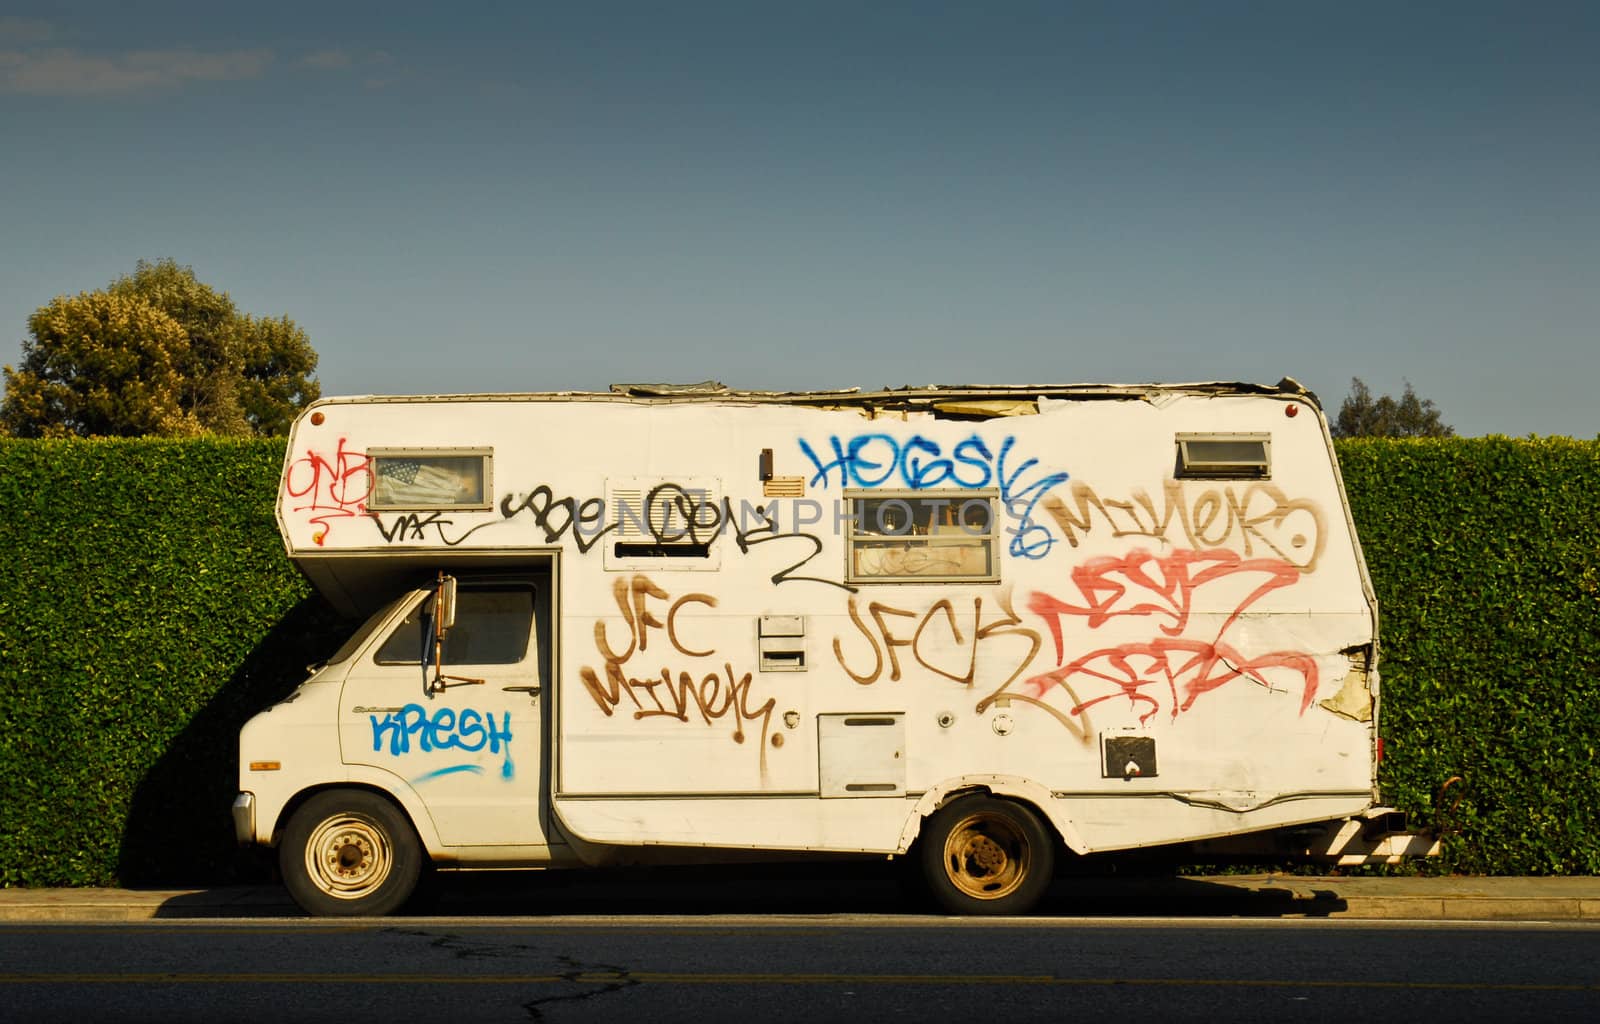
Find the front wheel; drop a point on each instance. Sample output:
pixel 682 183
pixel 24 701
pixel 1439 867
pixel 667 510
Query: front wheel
pixel 984 855
pixel 349 853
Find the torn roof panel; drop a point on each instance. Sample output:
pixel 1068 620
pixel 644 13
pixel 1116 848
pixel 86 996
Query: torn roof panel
pixel 974 400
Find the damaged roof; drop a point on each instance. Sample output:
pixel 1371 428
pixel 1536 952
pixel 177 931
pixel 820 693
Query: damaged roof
pixel 977 400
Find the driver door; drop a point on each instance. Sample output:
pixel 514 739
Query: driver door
pixel 471 751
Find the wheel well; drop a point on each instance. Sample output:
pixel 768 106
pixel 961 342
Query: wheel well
pixel 299 799
pixel 978 789
pixel 957 794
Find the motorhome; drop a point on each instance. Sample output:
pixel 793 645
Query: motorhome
pixel 981 628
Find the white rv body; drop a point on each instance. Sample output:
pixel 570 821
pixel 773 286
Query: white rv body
pixel 803 622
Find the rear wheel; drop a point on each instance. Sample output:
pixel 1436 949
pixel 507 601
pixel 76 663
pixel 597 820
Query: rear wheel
pixel 349 853
pixel 984 855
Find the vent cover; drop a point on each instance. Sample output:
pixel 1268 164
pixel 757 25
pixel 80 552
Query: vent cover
pixel 652 519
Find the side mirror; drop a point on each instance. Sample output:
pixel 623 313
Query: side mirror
pixel 436 622
pixel 444 602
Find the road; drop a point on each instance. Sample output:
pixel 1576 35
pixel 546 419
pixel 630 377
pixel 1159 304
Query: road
pixel 781 968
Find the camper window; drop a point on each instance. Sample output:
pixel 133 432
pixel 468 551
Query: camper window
pixel 492 628
pixel 435 478
pixel 1224 456
pixel 948 535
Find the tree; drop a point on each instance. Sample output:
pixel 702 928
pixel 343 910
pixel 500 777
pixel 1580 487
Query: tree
pixel 1363 416
pixel 276 380
pixel 99 365
pixel 157 352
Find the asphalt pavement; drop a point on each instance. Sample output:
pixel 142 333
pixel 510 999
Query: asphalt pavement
pixel 681 893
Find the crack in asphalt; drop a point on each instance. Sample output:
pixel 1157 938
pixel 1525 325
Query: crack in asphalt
pixel 601 979
pixel 461 949
pixel 580 973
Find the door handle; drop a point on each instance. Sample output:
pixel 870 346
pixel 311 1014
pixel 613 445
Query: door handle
pixel 532 691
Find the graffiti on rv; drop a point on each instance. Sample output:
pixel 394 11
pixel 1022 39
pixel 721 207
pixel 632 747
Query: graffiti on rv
pixel 669 514
pixel 1259 519
pixel 881 460
pixel 672 514
pixel 875 460
pixel 1173 667
pixel 469 731
pixel 1164 586
pixel 971 649
pixel 766 531
pixel 1179 670
pixel 415 526
pixel 333 487
pixel 707 693
pixel 556 517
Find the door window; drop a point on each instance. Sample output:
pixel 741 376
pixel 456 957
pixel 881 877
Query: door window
pixel 493 625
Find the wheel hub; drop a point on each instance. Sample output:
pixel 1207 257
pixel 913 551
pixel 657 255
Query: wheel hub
pixel 986 855
pixel 350 855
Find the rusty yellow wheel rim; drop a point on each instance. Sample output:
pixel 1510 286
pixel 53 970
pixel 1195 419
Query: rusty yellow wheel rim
pixel 348 857
pixel 986 856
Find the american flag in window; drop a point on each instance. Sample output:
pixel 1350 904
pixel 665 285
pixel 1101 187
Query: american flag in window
pixel 412 480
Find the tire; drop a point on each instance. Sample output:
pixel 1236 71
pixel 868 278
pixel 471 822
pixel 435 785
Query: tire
pixel 349 853
pixel 984 855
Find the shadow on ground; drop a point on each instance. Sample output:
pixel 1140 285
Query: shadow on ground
pixel 780 889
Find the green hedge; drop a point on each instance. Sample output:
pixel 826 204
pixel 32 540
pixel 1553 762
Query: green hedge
pixel 1485 553
pixel 146 610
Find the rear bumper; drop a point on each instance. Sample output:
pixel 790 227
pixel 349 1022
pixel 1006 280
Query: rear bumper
pixel 1379 836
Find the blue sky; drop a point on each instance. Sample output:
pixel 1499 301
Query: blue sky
pixel 802 195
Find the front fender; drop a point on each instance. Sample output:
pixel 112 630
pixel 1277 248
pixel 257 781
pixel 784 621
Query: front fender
pixel 379 781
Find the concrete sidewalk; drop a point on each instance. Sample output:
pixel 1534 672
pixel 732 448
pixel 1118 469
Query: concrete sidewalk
pixel 665 894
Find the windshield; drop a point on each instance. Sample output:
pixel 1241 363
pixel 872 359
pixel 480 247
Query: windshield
pixel 360 636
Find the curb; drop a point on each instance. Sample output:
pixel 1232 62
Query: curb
pixel 90 906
